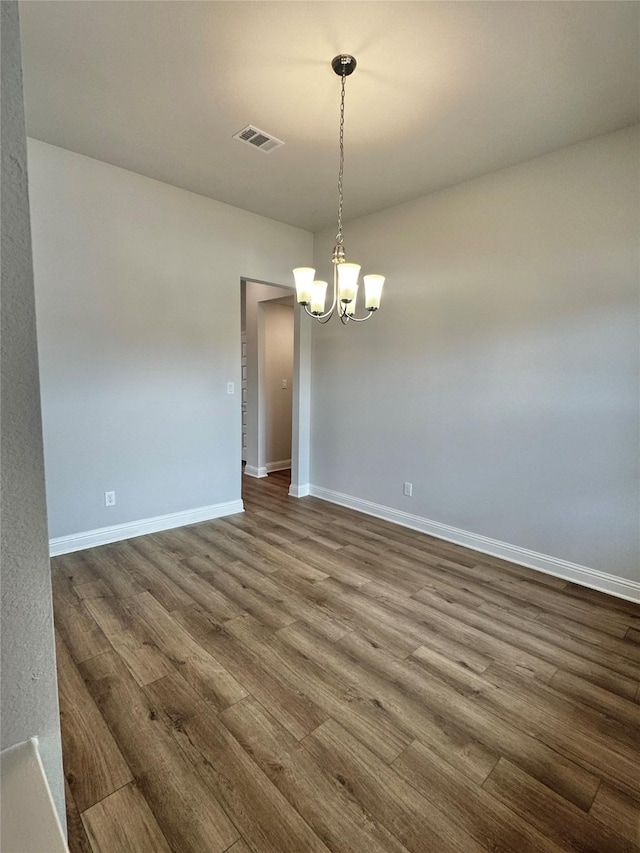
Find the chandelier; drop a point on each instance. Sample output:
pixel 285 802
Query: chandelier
pixel 311 293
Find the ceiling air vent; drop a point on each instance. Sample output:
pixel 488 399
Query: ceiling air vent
pixel 258 138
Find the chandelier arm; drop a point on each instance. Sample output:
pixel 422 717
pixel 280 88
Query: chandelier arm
pixel 361 319
pixel 320 317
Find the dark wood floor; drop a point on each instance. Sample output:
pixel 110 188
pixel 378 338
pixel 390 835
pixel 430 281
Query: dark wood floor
pixel 305 678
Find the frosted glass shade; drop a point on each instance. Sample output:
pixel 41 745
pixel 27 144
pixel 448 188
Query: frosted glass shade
pixel 350 307
pixel 303 277
pixel 373 291
pixel 347 281
pixel 318 294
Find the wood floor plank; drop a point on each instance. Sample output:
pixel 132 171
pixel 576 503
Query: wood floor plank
pixel 553 709
pixel 214 600
pixel 385 566
pixel 409 543
pixel 509 637
pixel 424 613
pixel 297 713
pixel 587 694
pixel 249 549
pixel 378 624
pixel 557 646
pixel 177 699
pixel 71 569
pixel 594 596
pixel 570 827
pixel 633 636
pixel 336 817
pixel 240 595
pixel 331 563
pixel 614 645
pixel 141 655
pixel 78 629
pixel 179 543
pixel 93 764
pixel 409 816
pixel 136 556
pixel 111 565
pixel 488 562
pixel 239 847
pixel 210 678
pixel 338 697
pixel 410 717
pixel 486 819
pixel 276 534
pixel 92 589
pixel 77 840
pixel 463 653
pixel 495 735
pixel 110 614
pixel 291 602
pixel 462 585
pixel 189 817
pixel 266 820
pixel 618 811
pixel 297 530
pixel 606 619
pixel 124 822
pixel 579 734
pixel 413 544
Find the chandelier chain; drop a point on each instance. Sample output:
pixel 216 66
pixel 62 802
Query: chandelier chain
pixel 339 238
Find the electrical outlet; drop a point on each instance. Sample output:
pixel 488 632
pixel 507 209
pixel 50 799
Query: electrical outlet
pixel 109 498
pixel 231 388
pixel 284 384
pixel 407 489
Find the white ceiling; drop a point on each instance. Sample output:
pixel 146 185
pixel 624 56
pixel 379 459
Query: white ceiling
pixel 443 92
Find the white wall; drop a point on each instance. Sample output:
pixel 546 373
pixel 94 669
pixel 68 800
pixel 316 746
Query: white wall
pixel 501 375
pixel 138 307
pixel 278 358
pixel 29 689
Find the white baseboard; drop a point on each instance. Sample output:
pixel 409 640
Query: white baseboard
pixel 299 491
pixel 592 578
pixel 283 465
pixel 105 535
pixel 252 471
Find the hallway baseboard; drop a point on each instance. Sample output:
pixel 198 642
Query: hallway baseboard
pixel 283 465
pixel 252 471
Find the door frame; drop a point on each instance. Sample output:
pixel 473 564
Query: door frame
pixel 301 396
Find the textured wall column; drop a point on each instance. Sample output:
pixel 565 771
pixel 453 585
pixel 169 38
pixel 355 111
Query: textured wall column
pixel 29 689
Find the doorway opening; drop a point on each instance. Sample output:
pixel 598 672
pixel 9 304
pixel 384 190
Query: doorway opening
pixel 268 379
